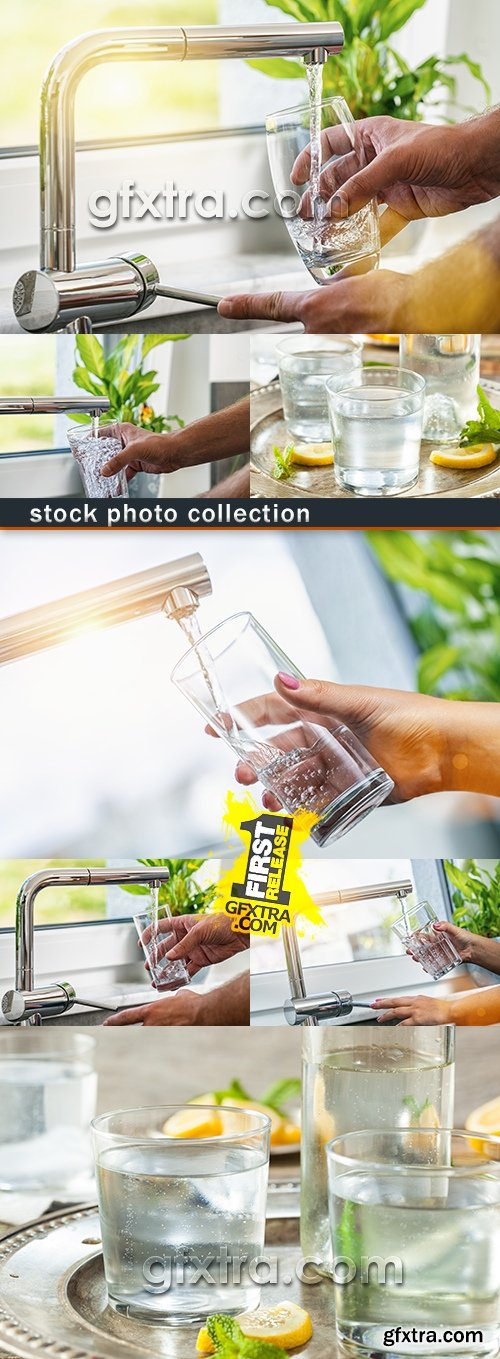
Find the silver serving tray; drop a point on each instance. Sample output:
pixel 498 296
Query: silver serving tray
pixel 269 429
pixel 53 1299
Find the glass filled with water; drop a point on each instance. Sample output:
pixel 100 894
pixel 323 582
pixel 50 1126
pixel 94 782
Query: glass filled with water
pixel 355 1078
pixel 229 676
pixel 305 364
pixel 182 1206
pixel 450 365
pixel 433 950
pixel 424 1207
pixel 91 451
pixel 155 939
pixel 377 421
pixel 48 1091
pixel 325 244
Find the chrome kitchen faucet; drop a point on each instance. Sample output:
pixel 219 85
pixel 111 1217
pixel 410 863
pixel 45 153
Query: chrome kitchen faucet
pixel 61 294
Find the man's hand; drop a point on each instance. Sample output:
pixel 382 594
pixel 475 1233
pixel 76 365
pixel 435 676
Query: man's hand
pixel 228 1004
pixel 364 304
pixel 419 170
pixel 185 1008
pixel 199 940
pixel 224 434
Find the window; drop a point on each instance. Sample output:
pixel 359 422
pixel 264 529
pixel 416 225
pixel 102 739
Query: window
pixel 356 951
pixel 352 932
pixel 28 367
pixel 121 100
pixel 79 905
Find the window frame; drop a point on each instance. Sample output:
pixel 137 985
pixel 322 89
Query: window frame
pixel 397 973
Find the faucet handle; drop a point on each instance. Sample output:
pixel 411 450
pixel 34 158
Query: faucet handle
pixel 331 1005
pixel 20 1007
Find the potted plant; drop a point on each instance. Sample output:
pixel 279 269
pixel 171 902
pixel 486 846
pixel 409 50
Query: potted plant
pixel 120 376
pixel 182 894
pixel 456 577
pixel 476 898
pixel 369 73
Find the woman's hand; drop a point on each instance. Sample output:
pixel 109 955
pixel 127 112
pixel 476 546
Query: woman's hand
pixel 404 732
pixel 197 940
pixel 413 1011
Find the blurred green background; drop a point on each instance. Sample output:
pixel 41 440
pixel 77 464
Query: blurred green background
pixel 133 99
pixel 28 367
pixel 55 905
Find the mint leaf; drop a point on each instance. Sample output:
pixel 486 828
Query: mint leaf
pixel 485 430
pixel 280 1093
pixel 282 462
pixel 261 1349
pixel 235 1090
pixel 225 1334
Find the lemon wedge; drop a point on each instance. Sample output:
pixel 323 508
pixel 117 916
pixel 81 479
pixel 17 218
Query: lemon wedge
pixel 312 455
pixel 283 1130
pixel 464 459
pixel 199 1123
pixel 287 1326
pixel 484 1120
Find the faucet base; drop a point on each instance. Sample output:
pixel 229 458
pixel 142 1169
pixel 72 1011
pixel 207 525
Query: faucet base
pixel 109 290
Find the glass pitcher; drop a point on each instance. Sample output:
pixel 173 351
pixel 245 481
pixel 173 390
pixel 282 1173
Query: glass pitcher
pixel 354 1079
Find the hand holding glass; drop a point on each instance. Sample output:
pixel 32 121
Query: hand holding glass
pixel 229 677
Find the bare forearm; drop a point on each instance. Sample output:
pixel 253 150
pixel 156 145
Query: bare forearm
pixel 460 290
pixel 228 1004
pixel 221 435
pixel 486 953
pixel 471 749
pixel 475 1007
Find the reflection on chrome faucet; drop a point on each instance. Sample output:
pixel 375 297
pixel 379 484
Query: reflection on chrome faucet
pixel 310 1010
pixel 25 1004
pixel 59 295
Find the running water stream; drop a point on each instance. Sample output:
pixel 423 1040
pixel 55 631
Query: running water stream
pixel 315 82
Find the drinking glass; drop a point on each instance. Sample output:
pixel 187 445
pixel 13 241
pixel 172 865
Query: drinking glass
pixel 165 975
pixel 450 365
pixel 181 1187
pixel 377 430
pixel 229 675
pixel 91 451
pixel 434 951
pixel 324 244
pixel 48 1091
pixel 424 1208
pixel 305 363
pixel 357 1077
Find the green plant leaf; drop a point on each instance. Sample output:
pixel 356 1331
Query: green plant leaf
pixel 435 663
pixel 152 341
pixel 395 14
pixel 91 353
pixel 280 1093
pixel 279 68
pixel 82 379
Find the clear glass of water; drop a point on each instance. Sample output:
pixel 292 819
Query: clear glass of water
pixel 173 1200
pixel 155 942
pixel 450 365
pixel 425 1207
pixel 357 1077
pixel 377 421
pixel 229 676
pixel 91 451
pixel 305 364
pixel 48 1091
pixel 325 244
pixel 434 951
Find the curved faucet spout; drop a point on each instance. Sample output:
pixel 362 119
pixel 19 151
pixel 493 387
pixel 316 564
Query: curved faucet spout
pixel 57 129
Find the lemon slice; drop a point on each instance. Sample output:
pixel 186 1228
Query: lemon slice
pixel 464 459
pixel 199 1123
pixel 287 1326
pixel 312 455
pixel 229 1125
pixel 485 1120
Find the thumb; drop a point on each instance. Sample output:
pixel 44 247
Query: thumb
pixel 382 173
pixel 263 306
